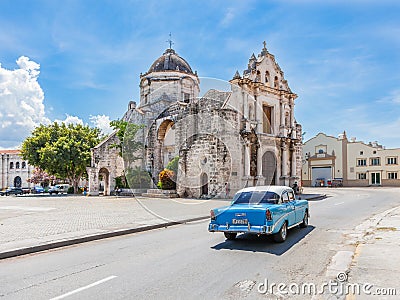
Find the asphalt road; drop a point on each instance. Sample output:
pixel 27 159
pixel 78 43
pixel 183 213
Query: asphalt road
pixel 187 262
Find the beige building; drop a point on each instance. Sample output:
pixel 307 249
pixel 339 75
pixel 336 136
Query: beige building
pixel 329 160
pixel 14 170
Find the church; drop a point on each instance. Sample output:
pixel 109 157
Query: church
pixel 224 140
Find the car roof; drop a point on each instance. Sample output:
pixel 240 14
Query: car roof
pixel 267 188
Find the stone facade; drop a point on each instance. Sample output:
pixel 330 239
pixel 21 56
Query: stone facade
pixel 225 140
pixel 353 163
pixel 14 170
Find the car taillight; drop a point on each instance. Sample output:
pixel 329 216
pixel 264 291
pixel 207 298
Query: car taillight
pixel 212 215
pixel 268 215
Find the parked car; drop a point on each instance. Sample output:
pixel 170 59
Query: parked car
pixel 59 188
pixel 12 191
pixel 37 190
pixel 261 210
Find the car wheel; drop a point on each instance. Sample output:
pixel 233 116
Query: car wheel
pixel 304 224
pixel 280 236
pixel 230 235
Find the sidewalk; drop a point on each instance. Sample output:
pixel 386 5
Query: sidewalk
pixel 32 224
pixel 376 260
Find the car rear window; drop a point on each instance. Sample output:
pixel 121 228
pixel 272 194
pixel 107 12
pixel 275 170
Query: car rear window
pixel 256 197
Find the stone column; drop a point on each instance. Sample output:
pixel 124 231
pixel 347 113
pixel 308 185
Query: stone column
pixel 7 169
pixel 284 162
pixel 93 181
pixel 293 163
pixel 246 111
pixel 247 161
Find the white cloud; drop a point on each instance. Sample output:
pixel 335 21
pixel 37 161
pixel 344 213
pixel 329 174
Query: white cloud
pixel 70 120
pixel 21 102
pixel 392 98
pixel 102 122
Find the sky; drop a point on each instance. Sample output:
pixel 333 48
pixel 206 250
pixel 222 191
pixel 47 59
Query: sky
pixel 79 61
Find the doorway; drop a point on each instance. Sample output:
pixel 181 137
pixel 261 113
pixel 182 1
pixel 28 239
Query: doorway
pixel 204 184
pixel 376 178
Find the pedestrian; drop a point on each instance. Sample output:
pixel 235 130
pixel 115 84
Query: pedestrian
pixel 227 189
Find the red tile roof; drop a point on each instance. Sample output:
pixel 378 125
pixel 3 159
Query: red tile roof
pixel 10 151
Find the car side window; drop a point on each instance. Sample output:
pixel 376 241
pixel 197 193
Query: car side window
pixel 285 197
pixel 291 196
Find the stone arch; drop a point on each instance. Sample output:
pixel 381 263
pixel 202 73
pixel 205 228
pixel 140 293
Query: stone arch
pixel 267 77
pixel 104 181
pixel 17 181
pixel 276 82
pixel 269 167
pixel 166 141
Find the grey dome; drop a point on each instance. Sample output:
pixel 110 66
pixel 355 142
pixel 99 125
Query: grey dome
pixel 170 61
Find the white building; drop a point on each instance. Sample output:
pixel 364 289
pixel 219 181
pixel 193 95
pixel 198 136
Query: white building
pixel 354 163
pixel 14 170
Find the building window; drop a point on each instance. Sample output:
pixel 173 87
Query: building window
pixel 320 151
pixel 361 162
pixel 362 176
pixel 11 165
pixel 361 152
pixel 375 161
pixel 374 152
pixel 266 77
pixel 392 175
pixel 392 160
pixel 267 119
pixel 186 97
pixel 17 165
pixel 23 165
pixel 276 82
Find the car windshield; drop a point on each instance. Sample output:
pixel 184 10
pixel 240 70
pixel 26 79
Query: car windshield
pixel 256 197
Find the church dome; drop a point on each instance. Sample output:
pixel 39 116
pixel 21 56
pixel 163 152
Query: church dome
pixel 170 61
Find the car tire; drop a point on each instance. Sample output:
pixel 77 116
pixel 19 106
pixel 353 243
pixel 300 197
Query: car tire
pixel 280 236
pixel 230 236
pixel 304 224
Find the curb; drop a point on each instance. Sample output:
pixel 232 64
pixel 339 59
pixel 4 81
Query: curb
pixel 316 197
pixel 89 238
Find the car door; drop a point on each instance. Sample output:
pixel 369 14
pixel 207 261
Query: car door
pixel 289 208
pixel 297 207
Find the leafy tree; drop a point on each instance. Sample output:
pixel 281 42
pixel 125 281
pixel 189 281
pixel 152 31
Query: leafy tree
pixel 61 150
pixel 41 177
pixel 127 136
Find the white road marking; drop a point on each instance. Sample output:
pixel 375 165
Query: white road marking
pixel 84 288
pixel 338 203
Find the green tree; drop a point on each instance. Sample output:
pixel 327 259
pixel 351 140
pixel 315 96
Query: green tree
pixel 127 136
pixel 61 150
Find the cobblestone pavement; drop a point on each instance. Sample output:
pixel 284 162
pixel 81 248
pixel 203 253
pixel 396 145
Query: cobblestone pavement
pixel 27 221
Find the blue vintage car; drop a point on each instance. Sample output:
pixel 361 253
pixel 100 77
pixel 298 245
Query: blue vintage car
pixel 261 210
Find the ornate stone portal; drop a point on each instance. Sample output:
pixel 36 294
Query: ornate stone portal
pixel 245 137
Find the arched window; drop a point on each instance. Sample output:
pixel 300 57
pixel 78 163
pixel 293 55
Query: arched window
pixel 17 165
pixel 258 77
pixel 276 83
pixel 266 77
pixel 11 165
pixel 23 165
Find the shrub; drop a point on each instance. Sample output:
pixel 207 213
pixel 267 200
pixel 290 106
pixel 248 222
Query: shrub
pixel 167 179
pixel 70 190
